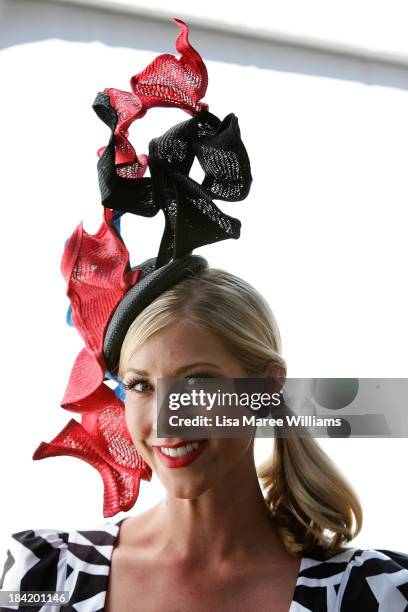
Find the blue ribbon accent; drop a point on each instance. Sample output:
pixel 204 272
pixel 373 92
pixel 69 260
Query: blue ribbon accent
pixel 119 390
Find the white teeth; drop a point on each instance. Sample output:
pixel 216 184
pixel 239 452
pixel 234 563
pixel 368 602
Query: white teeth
pixel 180 450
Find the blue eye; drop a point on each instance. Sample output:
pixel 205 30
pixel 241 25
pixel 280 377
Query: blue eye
pixel 192 378
pixel 144 385
pixel 133 384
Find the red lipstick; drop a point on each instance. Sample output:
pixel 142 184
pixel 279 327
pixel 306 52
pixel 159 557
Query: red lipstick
pixel 187 452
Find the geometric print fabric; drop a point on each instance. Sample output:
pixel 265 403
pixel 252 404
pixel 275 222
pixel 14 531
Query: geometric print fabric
pixel 78 561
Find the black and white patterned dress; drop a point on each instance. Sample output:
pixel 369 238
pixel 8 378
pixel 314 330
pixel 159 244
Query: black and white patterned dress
pixel 354 580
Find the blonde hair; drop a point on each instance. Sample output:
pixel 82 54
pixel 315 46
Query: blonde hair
pixel 313 506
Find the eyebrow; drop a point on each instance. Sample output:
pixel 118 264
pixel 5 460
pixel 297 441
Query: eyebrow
pixel 177 372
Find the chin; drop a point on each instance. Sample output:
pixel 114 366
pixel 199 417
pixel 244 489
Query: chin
pixel 185 488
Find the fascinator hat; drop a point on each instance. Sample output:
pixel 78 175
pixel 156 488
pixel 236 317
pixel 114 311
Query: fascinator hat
pixel 105 292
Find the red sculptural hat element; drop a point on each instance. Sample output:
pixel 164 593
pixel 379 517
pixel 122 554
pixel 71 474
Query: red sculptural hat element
pixel 167 81
pixel 96 269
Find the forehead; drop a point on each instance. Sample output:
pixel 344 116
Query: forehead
pixel 179 342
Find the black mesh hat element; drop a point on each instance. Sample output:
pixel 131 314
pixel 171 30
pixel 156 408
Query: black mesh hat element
pixel 191 217
pixel 152 283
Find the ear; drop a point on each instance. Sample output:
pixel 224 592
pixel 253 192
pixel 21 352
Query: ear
pixel 277 372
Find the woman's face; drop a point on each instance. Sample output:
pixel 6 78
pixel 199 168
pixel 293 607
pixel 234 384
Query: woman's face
pixel 181 350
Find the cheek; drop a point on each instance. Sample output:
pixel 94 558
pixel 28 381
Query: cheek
pixel 139 430
pixel 230 451
pixel 138 420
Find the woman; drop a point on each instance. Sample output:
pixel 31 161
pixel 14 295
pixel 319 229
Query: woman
pixel 213 543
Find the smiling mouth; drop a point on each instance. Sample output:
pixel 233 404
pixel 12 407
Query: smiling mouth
pixel 181 454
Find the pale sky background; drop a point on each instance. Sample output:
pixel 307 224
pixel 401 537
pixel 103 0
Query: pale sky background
pixel 373 24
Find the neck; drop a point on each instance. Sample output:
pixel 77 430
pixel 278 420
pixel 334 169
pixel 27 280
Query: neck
pixel 230 520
